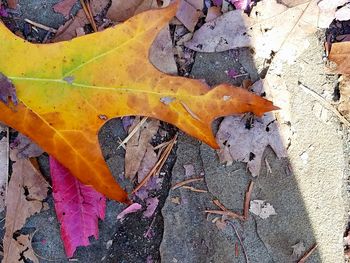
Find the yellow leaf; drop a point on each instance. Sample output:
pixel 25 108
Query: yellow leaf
pixel 68 90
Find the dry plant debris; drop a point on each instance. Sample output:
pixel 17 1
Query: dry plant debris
pixel 25 194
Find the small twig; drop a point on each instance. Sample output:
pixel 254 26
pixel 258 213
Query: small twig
pixel 86 8
pixel 91 15
pixel 325 104
pixel 308 254
pixel 148 232
pixel 228 213
pixel 158 165
pixel 137 127
pixel 247 196
pixel 240 240
pixel 164 144
pixel 269 170
pixel 240 75
pixel 220 205
pixel 194 189
pixel 180 184
pixel 49 29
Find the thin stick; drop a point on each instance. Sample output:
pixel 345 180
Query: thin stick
pixel 137 127
pixel 158 165
pixel 194 189
pixel 220 205
pixel 91 15
pixel 231 214
pixel 240 241
pixel 88 15
pixel 247 195
pixel 41 26
pixel 308 254
pixel 187 182
pixel 325 104
pixel 161 145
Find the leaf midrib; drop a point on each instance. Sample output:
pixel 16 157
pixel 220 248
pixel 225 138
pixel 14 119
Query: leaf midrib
pixel 118 88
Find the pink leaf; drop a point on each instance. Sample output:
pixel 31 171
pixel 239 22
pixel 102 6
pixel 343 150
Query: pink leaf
pixel 78 208
pixel 241 4
pixel 130 209
pixel 152 204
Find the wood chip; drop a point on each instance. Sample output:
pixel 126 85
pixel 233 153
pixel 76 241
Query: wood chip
pixel 247 200
pixel 308 254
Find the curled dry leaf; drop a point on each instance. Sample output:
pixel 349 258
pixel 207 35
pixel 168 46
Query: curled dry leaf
pixel 26 191
pixel 112 78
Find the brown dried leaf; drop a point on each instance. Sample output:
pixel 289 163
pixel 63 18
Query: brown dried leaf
pixel 340 56
pixel 239 143
pixel 26 147
pixel 188 15
pixel 4 163
pixel 26 191
pixel 148 162
pixel 121 10
pixel 64 7
pixel 344 89
pixel 213 12
pixel 68 30
pixel 137 145
pixel 22 249
pixel 161 53
pixel 12 3
pixel 271 27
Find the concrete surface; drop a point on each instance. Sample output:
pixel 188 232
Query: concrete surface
pixel 307 189
pixel 308 193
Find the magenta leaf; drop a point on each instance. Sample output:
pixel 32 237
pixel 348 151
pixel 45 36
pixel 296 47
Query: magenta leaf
pixel 241 4
pixel 217 2
pixel 133 208
pixel 78 208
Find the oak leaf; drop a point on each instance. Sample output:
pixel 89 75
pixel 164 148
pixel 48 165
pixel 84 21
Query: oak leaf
pixel 68 90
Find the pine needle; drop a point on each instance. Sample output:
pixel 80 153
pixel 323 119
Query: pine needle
pixel 158 166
